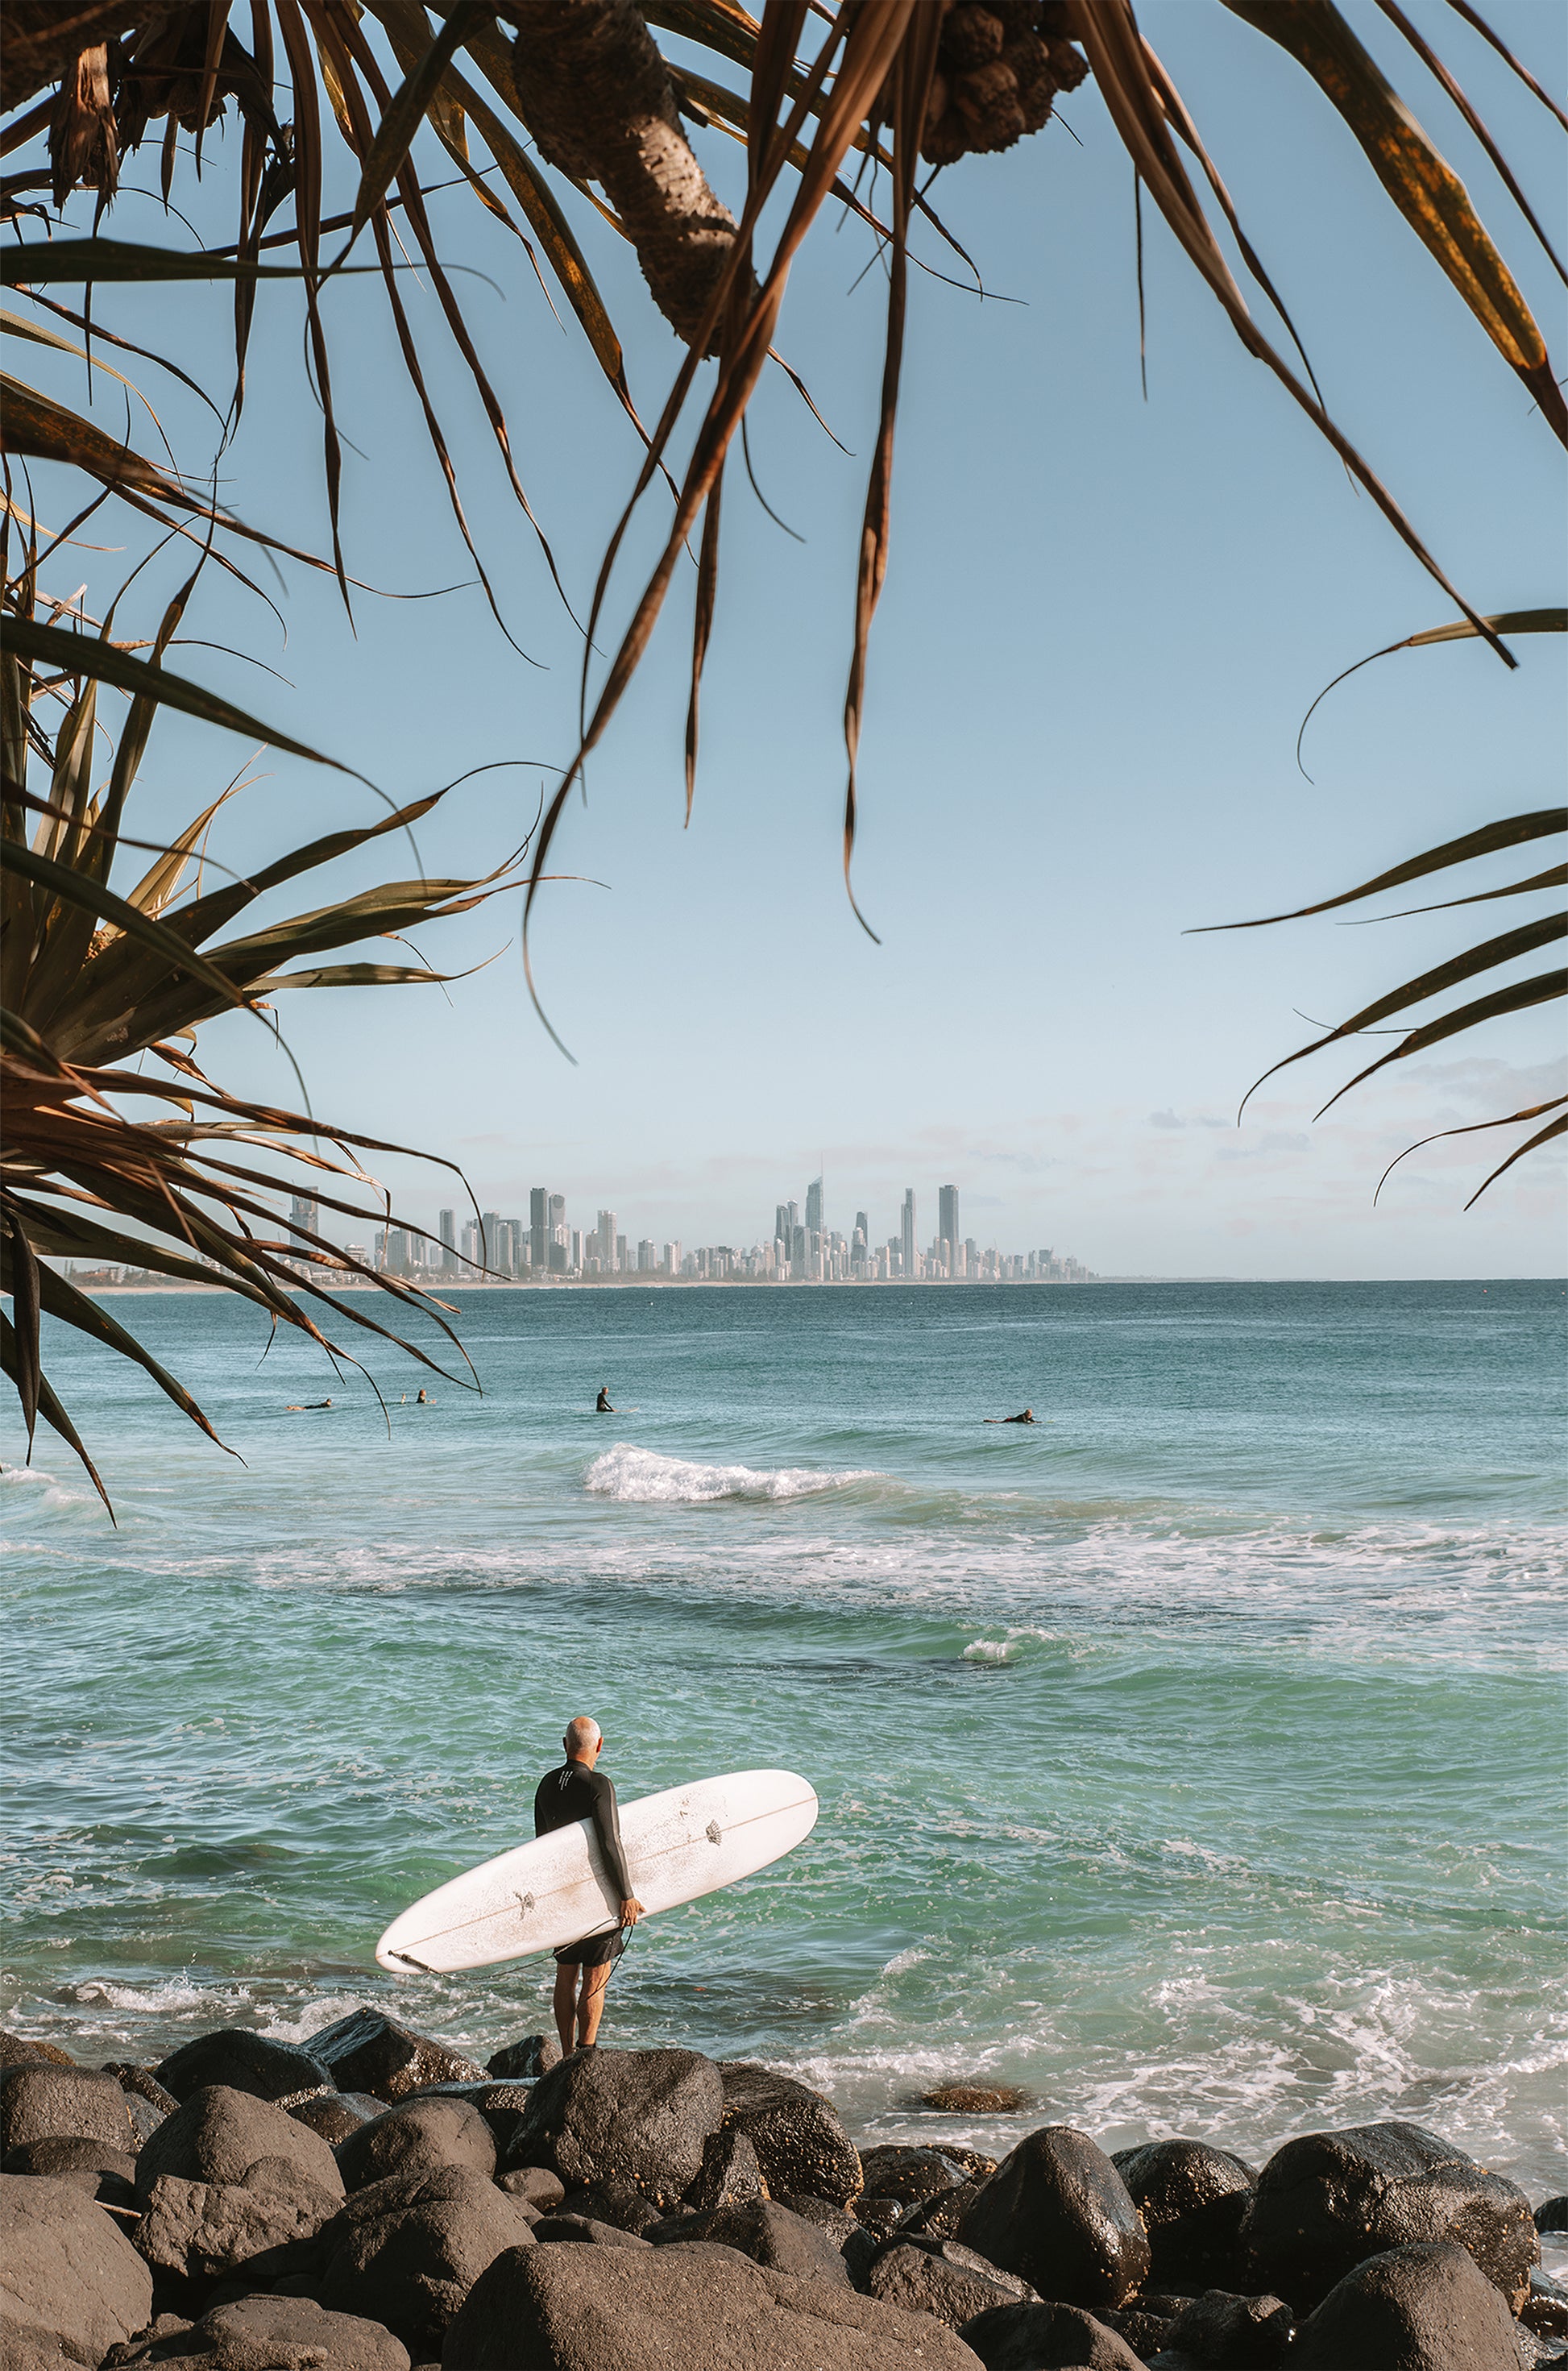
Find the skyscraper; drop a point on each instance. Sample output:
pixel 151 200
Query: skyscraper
pixel 813 1204
pixel 305 1214
pixel 490 1246
pixel 947 1215
pixel 539 1229
pixel 446 1226
pixel 558 1241
pixel 606 1242
pixel 863 1224
pixel 907 1232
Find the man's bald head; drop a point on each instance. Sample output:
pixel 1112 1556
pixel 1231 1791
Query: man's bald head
pixel 582 1738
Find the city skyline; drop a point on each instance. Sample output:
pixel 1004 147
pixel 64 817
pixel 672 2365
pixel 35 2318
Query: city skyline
pixel 802 1249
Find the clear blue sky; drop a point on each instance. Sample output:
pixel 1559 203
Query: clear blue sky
pixel 1104 622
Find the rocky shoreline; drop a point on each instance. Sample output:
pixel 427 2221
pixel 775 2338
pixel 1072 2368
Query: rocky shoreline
pixel 375 2201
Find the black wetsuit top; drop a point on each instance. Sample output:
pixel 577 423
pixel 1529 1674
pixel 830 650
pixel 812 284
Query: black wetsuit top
pixel 575 1792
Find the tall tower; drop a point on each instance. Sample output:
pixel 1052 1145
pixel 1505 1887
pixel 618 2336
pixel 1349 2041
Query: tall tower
pixel 946 1217
pixel 813 1204
pixel 907 1231
pixel 539 1229
pixel 447 1227
pixel 305 1214
pixel 560 1241
pixel 607 1225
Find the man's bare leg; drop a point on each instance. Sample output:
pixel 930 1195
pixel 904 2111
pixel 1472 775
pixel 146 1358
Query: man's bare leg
pixel 590 2005
pixel 565 2004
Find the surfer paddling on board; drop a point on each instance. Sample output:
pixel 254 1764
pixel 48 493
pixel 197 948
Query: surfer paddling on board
pixel 577 1791
pixel 602 1404
pixel 1027 1418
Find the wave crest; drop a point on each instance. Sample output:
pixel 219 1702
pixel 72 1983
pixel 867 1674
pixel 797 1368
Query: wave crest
pixel 626 1471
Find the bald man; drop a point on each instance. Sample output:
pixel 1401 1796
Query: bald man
pixel 577 1791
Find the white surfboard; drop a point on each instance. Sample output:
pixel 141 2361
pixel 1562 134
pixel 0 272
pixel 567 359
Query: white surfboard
pixel 679 1845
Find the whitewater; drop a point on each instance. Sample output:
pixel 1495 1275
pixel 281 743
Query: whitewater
pixel 1193 1761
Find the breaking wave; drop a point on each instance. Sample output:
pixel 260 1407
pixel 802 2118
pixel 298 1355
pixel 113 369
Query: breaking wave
pixel 624 1471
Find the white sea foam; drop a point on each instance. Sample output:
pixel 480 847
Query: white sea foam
pixel 628 1472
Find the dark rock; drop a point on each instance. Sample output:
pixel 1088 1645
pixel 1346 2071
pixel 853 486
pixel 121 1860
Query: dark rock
pixel 503 2105
pixel 859 2252
pixel 533 2185
pixel 940 2217
pixel 1423 2308
pixel 799 2140
pixel 69 2153
pixel 765 2231
pixel 1144 2329
pixel 241 2061
pixel 271 2333
pixel 1326 2201
pixel 523 2061
pixel 977 2165
pixel 1192 2200
pixel 367 2052
pixel 588 2308
pixel 67 2272
pixel 420 2136
pixel 896 2170
pixel 1057 2213
pixel 882 2216
pixel 223 2136
pixel 978 2099
pixel 136 2350
pixel 1551 2215
pixel 1042 2337
pixel 729 2174
pixel 335 2115
pixel 586 2230
pixel 407 2250
pixel 15 2052
pixel 1546 2308
pixel 143 2084
pixel 835 2220
pixel 204 2230
pixel 636 2117
pixel 40 2101
pixel 1234 2334
pixel 943 2278
pixel 612 2201
pixel 145 2118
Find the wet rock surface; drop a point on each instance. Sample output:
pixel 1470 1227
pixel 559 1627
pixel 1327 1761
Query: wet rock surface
pixel 416 2137
pixel 799 2142
pixel 1233 2333
pixel 241 2061
pixel 1422 2308
pixel 525 2061
pixel 729 2174
pixel 1193 2199
pixel 766 2231
pixel 1057 2213
pixel 636 2117
pixel 1326 2201
pixel 908 2172
pixel 367 2052
pixel 40 2101
pixel 940 2277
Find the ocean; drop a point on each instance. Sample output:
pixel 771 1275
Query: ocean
pixel 1193 1760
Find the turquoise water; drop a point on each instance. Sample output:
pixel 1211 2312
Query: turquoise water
pixel 1195 1761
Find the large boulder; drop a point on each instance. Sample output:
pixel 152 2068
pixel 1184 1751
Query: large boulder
pixel 1043 2337
pixel 1057 2213
pixel 223 2136
pixel 15 2052
pixel 943 2278
pixel 1193 2199
pixel 408 2251
pixel 799 2142
pixel 269 2333
pixel 41 2102
pixel 1233 2333
pixel 638 2117
pixel 765 2231
pixel 1414 2309
pixel 938 2217
pixel 612 2201
pixel 204 2230
pixel 242 2061
pixel 336 2115
pixel 656 2308
pixel 367 2052
pixel 69 2153
pixel 1551 2215
pixel 911 2174
pixel 1326 2201
pixel 416 2137
pixel 585 2230
pixel 503 2105
pixel 68 2275
pixel 534 2185
pixel 141 2083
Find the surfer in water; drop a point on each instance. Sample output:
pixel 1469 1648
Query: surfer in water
pixel 307 1407
pixel 1026 1418
pixel 602 1404
pixel 577 1791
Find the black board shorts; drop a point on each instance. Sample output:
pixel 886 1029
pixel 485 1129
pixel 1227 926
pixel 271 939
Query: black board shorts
pixel 598 1952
